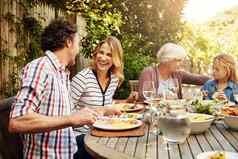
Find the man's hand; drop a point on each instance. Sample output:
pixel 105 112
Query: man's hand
pixel 84 116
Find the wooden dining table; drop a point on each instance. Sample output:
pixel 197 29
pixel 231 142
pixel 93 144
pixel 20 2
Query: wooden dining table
pixel 151 146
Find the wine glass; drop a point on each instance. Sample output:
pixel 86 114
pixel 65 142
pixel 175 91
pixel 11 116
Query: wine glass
pixel 155 114
pixel 172 90
pixel 149 91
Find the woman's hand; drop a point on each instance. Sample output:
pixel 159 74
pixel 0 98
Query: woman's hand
pixel 133 97
pixel 204 93
pixel 219 95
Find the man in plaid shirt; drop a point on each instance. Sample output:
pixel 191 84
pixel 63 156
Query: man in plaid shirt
pixel 42 109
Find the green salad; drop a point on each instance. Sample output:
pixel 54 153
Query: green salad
pixel 205 106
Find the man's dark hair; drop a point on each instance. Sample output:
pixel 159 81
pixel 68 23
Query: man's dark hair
pixel 56 33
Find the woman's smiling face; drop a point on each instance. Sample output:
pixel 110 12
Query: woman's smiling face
pixel 103 58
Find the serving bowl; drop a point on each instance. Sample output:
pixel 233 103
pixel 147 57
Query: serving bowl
pixel 230 114
pixel 200 122
pixel 231 121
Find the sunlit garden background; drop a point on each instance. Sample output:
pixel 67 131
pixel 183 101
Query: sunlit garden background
pixel 204 27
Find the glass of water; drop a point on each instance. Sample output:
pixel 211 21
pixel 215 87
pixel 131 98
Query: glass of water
pixel 172 90
pixel 149 91
pixel 155 114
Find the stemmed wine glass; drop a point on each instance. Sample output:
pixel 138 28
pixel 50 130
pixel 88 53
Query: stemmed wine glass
pixel 149 91
pixel 155 114
pixel 172 90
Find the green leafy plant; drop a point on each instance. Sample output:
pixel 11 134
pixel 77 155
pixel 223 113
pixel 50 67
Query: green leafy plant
pixel 101 22
pixel 204 41
pixel 28 31
pixel 158 21
pixel 33 29
pixel 136 56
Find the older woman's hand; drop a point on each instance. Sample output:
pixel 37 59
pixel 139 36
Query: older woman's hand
pixel 133 97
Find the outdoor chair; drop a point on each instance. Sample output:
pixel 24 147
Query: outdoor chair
pixel 134 85
pixel 10 143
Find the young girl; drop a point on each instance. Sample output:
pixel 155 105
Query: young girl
pixel 224 84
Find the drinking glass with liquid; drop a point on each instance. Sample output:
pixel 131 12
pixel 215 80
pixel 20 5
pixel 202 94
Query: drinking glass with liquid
pixel 175 127
pixel 149 90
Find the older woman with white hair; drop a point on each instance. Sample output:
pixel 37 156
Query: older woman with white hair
pixel 167 72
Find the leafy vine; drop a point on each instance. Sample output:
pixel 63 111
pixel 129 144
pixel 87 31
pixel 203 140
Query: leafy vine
pixel 27 30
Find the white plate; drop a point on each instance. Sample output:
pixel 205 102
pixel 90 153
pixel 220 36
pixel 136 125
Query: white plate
pixel 228 155
pixel 106 124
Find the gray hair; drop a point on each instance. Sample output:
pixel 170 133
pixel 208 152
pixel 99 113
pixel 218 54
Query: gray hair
pixel 171 51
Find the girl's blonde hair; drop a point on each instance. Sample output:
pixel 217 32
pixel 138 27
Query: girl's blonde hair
pixel 117 57
pixel 229 63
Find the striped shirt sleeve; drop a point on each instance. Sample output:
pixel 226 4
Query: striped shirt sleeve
pixel 34 81
pixel 78 86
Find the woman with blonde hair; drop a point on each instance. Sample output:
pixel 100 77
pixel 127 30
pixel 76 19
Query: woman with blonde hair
pixel 225 79
pixel 116 55
pixel 96 84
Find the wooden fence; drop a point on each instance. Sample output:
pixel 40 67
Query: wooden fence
pixel 8 39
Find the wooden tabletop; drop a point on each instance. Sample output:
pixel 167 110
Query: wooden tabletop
pixel 149 146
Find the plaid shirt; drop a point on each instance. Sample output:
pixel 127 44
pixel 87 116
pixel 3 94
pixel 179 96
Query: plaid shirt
pixel 45 86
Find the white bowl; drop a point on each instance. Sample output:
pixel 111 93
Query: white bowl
pixel 231 121
pixel 200 126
